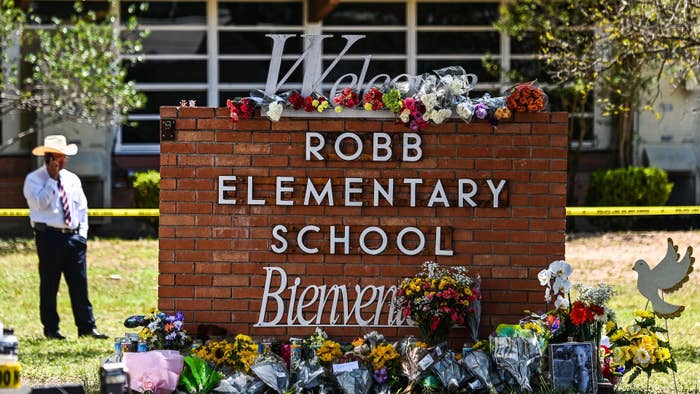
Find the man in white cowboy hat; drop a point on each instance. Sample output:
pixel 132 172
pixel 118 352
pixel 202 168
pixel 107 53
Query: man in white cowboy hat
pixel 58 215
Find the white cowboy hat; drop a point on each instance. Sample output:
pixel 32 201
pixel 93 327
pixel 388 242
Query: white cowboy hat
pixel 55 144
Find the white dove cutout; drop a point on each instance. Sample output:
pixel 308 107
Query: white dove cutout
pixel 668 276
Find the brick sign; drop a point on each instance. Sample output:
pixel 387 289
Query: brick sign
pixel 269 228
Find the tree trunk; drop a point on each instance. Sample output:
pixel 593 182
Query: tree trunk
pixel 624 139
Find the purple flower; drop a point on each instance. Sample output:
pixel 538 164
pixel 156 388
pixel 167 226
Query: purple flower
pixel 381 375
pixel 171 336
pixel 180 316
pixel 555 325
pixel 480 111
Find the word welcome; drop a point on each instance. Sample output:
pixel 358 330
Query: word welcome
pixel 313 75
pixel 326 306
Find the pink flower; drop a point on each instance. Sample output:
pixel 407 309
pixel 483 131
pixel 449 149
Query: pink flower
pixel 410 104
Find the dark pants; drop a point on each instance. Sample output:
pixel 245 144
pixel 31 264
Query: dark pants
pixel 63 254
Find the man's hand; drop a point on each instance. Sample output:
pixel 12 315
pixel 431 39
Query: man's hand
pixel 52 168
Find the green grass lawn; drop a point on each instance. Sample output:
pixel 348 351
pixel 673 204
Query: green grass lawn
pixel 123 278
pixel 123 281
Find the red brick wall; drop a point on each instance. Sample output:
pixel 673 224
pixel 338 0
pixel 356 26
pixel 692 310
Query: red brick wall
pixel 212 255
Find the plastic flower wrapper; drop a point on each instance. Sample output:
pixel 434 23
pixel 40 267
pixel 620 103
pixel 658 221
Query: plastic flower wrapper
pixel 271 369
pixel 308 377
pixel 456 80
pixel 159 368
pixel 357 381
pixel 465 109
pixel 448 370
pixel 478 365
pixel 373 338
pixel 412 351
pixel 240 383
pixel 428 84
pixel 473 319
pixel 198 377
pixel 516 353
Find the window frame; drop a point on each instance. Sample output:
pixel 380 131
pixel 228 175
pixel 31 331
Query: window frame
pixel 216 89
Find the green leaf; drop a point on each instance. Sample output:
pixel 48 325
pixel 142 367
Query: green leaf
pixel 198 377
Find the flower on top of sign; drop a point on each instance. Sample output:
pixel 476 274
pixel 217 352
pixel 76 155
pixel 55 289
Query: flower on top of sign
pixel 416 101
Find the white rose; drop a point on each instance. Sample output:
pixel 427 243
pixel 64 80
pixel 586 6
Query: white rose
pixel 274 111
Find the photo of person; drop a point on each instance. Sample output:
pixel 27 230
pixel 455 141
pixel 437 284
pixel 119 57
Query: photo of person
pixel 572 367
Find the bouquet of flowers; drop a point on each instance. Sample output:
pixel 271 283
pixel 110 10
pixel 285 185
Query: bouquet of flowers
pixel 237 354
pixel 384 361
pixel 329 352
pixel 640 347
pixel 526 98
pixel 312 104
pixel 296 100
pixel 373 100
pixel 347 98
pixel 164 331
pixel 380 358
pixel 240 109
pixel 438 298
pixel 582 320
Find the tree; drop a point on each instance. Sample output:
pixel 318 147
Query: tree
pixel 73 70
pixel 620 48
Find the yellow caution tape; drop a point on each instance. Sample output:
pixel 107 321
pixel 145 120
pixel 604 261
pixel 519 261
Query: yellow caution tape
pixel 570 211
pixel 91 212
pixel 10 375
pixel 633 211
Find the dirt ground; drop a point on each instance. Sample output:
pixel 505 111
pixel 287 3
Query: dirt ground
pixel 609 257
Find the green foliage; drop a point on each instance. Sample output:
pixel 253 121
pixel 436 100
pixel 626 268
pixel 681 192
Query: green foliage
pixel 73 68
pixel 10 18
pixel 146 186
pixel 620 49
pixel 631 186
pixel 198 377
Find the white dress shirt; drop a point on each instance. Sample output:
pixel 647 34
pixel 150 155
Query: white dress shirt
pixel 41 192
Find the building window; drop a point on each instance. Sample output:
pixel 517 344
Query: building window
pixel 211 50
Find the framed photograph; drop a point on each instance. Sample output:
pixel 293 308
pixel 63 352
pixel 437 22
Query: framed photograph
pixel 572 367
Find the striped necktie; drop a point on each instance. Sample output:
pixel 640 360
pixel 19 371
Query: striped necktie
pixel 64 202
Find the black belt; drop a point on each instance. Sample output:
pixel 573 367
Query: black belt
pixel 44 227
